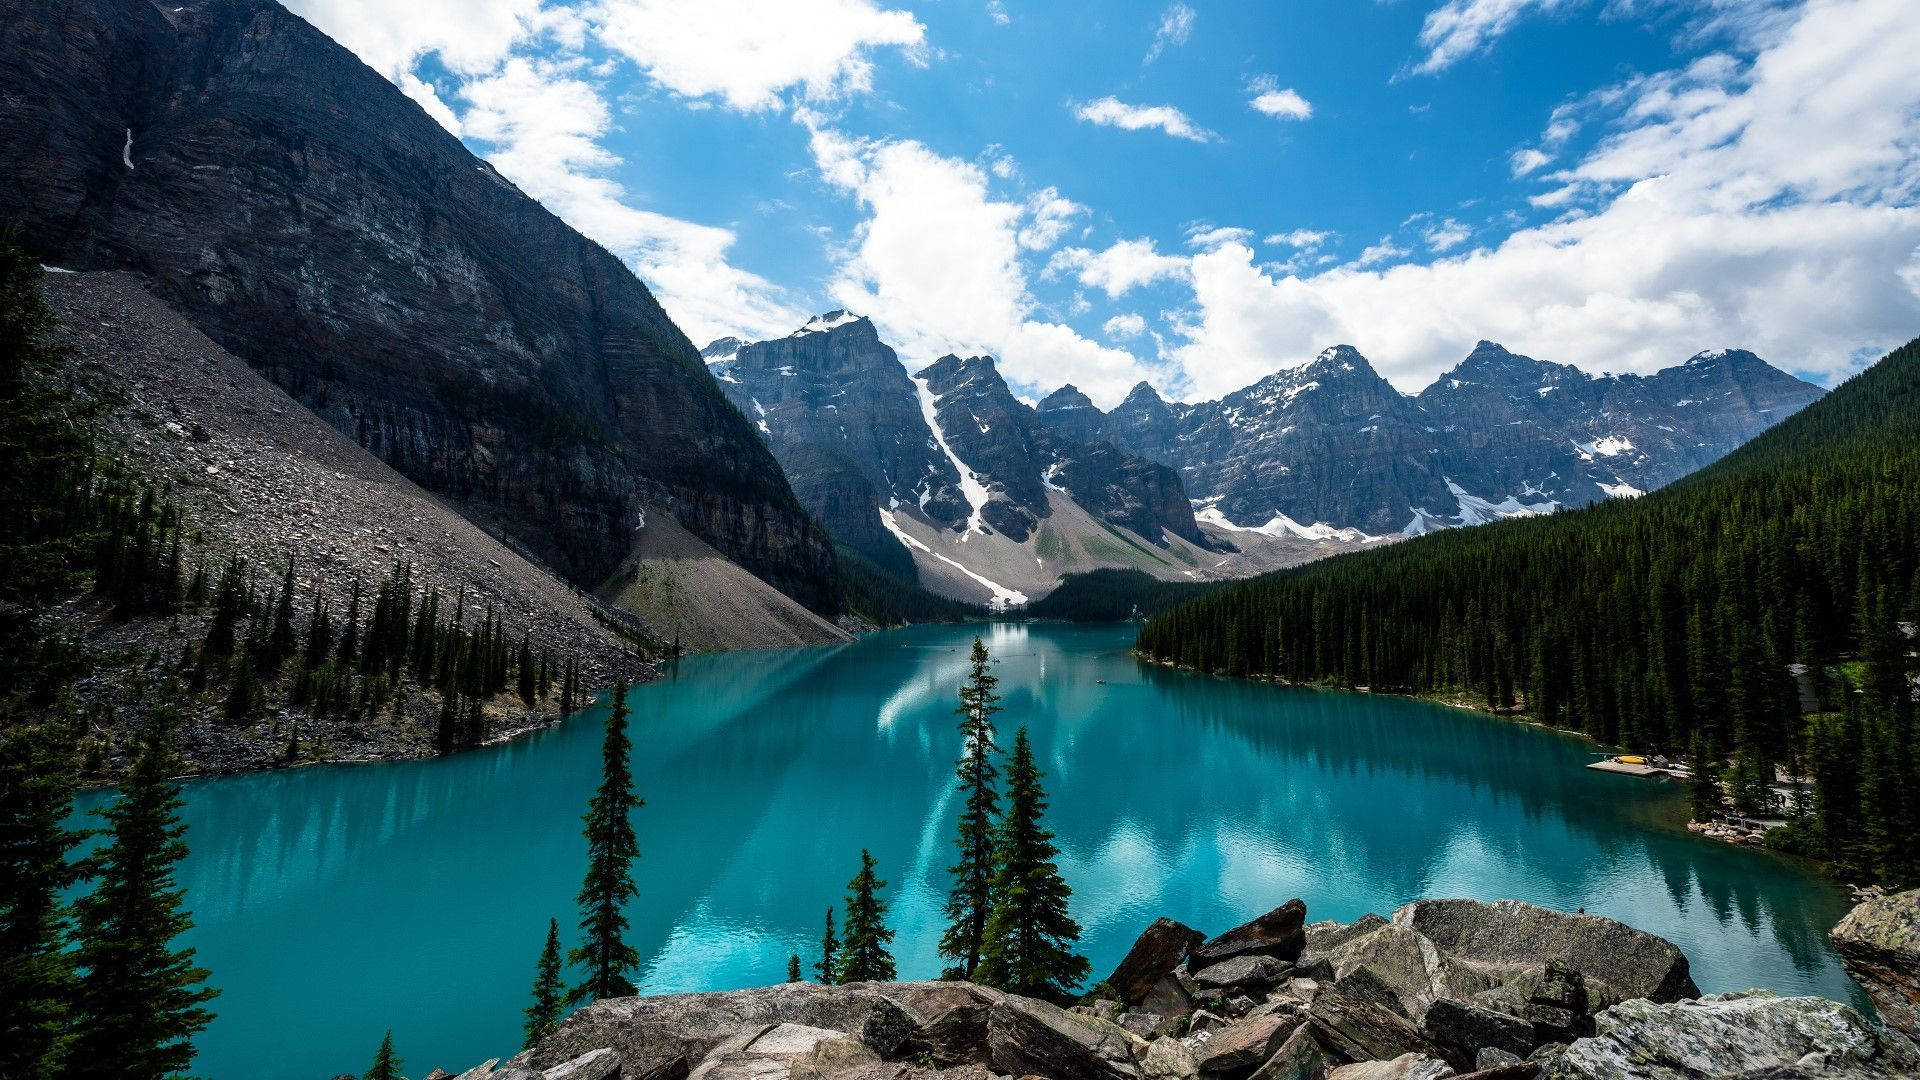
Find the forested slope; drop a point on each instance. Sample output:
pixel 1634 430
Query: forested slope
pixel 1666 623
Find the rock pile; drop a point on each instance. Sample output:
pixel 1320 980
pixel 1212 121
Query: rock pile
pixel 1442 989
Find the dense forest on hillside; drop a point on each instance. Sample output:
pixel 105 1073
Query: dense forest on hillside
pixel 884 598
pixel 1112 595
pixel 1673 623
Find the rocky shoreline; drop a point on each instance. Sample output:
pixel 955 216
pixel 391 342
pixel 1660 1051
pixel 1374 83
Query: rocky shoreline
pixel 1441 989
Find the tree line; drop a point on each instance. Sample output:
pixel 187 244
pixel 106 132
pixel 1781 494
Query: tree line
pixel 1690 622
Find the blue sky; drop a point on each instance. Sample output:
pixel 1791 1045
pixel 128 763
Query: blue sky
pixel 1200 193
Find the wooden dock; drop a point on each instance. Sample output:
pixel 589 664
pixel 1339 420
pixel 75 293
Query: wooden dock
pixel 1629 768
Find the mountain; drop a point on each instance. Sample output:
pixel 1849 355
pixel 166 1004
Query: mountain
pixel 312 220
pixel 1665 624
pixel 945 476
pixel 1333 444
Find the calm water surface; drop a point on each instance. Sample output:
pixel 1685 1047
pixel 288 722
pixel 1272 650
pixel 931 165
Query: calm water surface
pixel 334 903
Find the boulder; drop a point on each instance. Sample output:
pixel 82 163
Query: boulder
pixel 1404 1067
pixel 1362 1030
pixel 1361 984
pixel 1242 973
pixel 761 1052
pixel 1169 1059
pixel 1508 936
pixel 1156 952
pixel 1169 998
pixel 1558 1006
pixel 1301 1057
pixel 1470 1029
pixel 1238 1049
pixel 1410 964
pixel 1506 1070
pixel 1279 933
pixel 1728 1035
pixel 1327 935
pixel 598 1064
pixel 1027 1037
pixel 1879 942
pixel 1492 1057
pixel 1149 1026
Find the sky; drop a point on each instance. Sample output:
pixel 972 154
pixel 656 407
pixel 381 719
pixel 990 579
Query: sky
pixel 1200 193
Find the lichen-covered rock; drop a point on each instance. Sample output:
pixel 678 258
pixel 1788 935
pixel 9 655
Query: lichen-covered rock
pixel 1404 1067
pixel 1027 1037
pixel 1879 942
pixel 1508 936
pixel 1410 964
pixel 1241 973
pixel 1470 1029
pixel 1365 1031
pixel 1156 952
pixel 1727 1035
pixel 1169 1059
pixel 1301 1057
pixel 1240 1048
pixel 1280 933
pixel 601 1064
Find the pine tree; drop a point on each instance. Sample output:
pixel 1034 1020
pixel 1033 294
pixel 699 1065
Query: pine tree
pixel 1030 936
pixel 828 969
pixel 793 968
pixel 548 991
pixel 863 953
pixel 529 676
pixel 386 1066
pixel 971 896
pixel 611 849
pixel 1706 785
pixel 141 1000
pixel 280 641
pixel 36 974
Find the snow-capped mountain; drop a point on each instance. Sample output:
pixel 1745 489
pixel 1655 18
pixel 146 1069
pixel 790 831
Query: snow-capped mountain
pixel 1333 444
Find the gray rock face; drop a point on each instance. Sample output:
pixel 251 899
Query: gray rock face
pixel 1727 1035
pixel 1160 948
pixel 314 221
pixel 1468 1030
pixel 1363 1031
pixel 1415 969
pixel 1239 1048
pixel 1499 427
pixel 1026 1037
pixel 1246 973
pixel 1879 942
pixel 1404 1067
pixel 1506 936
pixel 1279 933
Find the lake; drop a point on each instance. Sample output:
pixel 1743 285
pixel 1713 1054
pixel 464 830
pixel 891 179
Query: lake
pixel 333 903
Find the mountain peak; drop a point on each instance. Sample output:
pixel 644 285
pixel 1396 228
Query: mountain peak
pixel 1143 393
pixel 1340 360
pixel 720 350
pixel 1709 357
pixel 830 321
pixel 1067 397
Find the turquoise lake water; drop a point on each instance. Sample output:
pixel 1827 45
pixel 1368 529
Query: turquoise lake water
pixel 334 903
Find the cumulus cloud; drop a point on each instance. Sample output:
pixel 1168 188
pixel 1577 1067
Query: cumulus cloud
pixel 1124 266
pixel 937 262
pixel 1128 325
pixel 1176 25
pixel 997 11
pixel 1281 103
pixel 1768 203
pixel 1303 239
pixel 1527 161
pixel 1049 216
pixel 747 53
pixel 1445 235
pixel 543 124
pixel 1112 112
pixel 1206 237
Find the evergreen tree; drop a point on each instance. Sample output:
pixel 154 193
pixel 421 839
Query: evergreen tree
pixel 1030 936
pixel 793 968
pixel 863 953
pixel 36 974
pixel 529 676
pixel 548 991
pixel 971 897
pixel 611 849
pixel 1706 784
pixel 141 1000
pixel 828 969
pixel 386 1066
pixel 280 640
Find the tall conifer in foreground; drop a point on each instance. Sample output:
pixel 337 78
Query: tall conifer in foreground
pixel 36 974
pixel 141 1000
pixel 386 1065
pixel 828 969
pixel 1029 941
pixel 863 955
pixel 969 902
pixel 611 849
pixel 548 992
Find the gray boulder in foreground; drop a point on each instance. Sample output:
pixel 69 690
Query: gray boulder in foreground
pixel 1508 935
pixel 1730 1035
pixel 1879 942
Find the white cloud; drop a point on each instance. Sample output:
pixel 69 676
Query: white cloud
pixel 1205 237
pixel 1174 29
pixel 1458 29
pixel 1281 103
pixel 1383 252
pixel 1768 204
pixel 1049 216
pixel 1527 161
pixel 1112 112
pixel 747 53
pixel 1304 239
pixel 544 125
pixel 1124 266
pixel 1445 235
pixel 997 11
pixel 1128 325
pixel 937 262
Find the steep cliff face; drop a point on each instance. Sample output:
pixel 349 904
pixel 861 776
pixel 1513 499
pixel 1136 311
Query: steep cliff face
pixel 311 219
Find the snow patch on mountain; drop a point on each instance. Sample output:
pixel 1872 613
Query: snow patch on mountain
pixel 971 488
pixel 1282 525
pixel 1621 491
pixel 1003 597
pixel 1475 510
pixel 820 324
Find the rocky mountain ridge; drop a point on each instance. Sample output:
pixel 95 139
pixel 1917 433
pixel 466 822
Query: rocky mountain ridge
pixel 314 221
pixel 1442 989
pixel 1332 443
